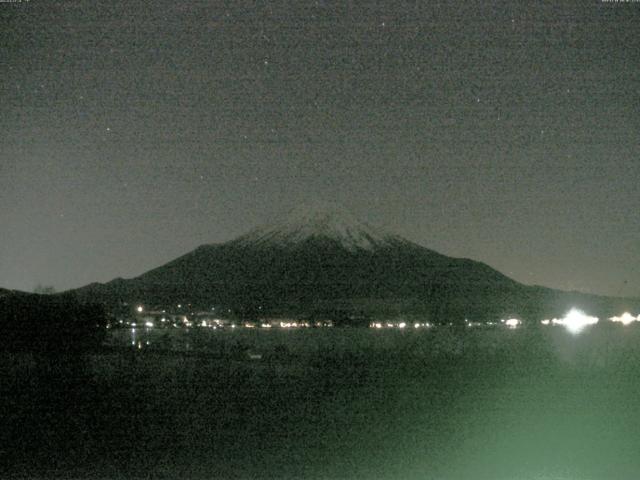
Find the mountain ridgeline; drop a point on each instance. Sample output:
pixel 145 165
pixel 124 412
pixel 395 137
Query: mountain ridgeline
pixel 324 263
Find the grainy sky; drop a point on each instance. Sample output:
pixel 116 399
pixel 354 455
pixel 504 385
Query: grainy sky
pixel 506 132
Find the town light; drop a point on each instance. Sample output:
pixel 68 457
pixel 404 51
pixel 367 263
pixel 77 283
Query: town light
pixel 626 318
pixel 512 322
pixel 140 309
pixel 575 321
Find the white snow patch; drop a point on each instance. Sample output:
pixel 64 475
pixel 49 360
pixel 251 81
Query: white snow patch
pixel 324 221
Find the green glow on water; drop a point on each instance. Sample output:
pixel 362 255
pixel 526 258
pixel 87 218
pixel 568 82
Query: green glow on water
pixel 433 404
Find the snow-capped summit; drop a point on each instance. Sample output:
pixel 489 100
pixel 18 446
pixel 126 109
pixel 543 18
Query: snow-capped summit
pixel 323 221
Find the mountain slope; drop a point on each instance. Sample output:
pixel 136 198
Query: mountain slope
pixel 317 261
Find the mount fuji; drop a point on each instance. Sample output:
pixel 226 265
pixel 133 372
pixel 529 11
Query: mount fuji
pixel 323 261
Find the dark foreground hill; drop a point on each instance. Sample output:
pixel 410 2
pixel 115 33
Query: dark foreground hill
pixel 49 323
pixel 326 263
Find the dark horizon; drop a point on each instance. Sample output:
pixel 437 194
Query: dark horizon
pixel 135 132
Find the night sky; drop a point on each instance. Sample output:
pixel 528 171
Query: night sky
pixel 506 132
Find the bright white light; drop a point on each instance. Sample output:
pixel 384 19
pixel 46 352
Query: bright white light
pixel 402 325
pixel 575 321
pixel 512 322
pixel 148 324
pixel 545 322
pixel 626 318
pixel 140 309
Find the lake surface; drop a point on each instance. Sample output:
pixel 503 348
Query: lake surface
pixel 330 403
